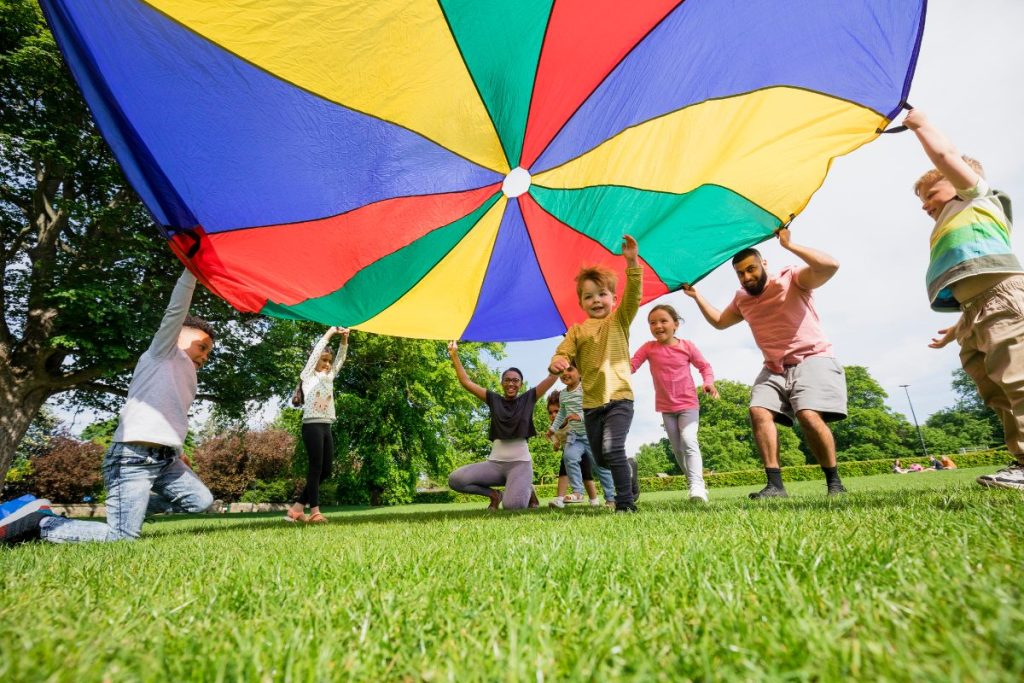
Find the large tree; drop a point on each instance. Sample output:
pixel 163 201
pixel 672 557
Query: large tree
pixel 85 273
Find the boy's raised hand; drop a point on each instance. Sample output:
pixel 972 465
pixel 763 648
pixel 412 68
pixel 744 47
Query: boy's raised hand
pixel 558 365
pixel 630 250
pixel 689 291
pixel 948 335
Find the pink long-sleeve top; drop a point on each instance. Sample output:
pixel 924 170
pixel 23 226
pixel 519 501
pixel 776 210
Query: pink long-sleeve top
pixel 674 390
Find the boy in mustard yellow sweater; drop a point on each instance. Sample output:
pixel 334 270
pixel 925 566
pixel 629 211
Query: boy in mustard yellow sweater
pixel 600 348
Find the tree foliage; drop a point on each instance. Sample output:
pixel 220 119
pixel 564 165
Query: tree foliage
pixel 69 472
pixel 228 464
pixel 653 459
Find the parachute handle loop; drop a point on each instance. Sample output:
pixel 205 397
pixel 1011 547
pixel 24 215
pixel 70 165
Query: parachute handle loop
pixel 196 239
pixel 785 226
pixel 897 129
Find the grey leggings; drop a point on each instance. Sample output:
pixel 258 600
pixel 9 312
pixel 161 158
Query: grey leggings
pixel 479 477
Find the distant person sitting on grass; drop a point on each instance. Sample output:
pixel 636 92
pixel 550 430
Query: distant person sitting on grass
pixel 316 394
pixel 897 467
pixel 935 463
pixel 974 271
pixel 800 378
pixel 947 463
pixel 509 463
pixel 143 470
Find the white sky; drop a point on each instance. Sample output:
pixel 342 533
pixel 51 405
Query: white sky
pixel 875 310
pixel 970 80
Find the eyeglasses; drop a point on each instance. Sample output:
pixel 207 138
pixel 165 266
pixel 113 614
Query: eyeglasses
pixel 511 380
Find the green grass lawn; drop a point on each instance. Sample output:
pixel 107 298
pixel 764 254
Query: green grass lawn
pixel 910 577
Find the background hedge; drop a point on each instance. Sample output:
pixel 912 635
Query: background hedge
pixel 861 468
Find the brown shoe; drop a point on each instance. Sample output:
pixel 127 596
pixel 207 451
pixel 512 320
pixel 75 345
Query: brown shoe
pixel 316 518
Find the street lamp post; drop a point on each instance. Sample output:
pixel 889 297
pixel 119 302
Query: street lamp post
pixel 919 434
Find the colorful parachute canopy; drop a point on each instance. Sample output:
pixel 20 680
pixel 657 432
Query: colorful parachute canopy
pixel 442 169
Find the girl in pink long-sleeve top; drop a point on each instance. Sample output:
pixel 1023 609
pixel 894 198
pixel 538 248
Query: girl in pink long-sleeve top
pixel 675 395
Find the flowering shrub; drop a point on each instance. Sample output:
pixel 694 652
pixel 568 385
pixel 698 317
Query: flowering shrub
pixel 69 471
pixel 230 463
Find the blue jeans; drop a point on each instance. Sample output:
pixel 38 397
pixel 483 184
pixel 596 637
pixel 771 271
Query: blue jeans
pixel 575 448
pixel 140 480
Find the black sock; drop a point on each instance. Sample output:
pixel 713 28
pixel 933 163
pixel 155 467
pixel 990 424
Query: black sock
pixel 774 477
pixel 831 476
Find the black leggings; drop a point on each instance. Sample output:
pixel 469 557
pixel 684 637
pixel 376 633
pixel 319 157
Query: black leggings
pixel 319 444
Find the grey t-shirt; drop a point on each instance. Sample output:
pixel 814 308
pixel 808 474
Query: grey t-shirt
pixel 164 382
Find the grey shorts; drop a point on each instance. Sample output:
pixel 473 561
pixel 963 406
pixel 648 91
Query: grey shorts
pixel 818 384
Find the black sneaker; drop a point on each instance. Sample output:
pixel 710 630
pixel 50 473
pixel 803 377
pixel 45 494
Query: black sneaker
pixel 630 509
pixel 769 492
pixel 836 490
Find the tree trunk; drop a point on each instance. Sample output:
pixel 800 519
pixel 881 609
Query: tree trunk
pixel 20 401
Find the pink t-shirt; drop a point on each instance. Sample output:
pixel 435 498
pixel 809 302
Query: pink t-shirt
pixel 670 368
pixel 783 320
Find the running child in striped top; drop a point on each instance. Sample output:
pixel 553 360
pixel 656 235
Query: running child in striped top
pixel 600 348
pixel 577 468
pixel 675 395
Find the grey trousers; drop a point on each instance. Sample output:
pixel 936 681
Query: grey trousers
pixel 479 477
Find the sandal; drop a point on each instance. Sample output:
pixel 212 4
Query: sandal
pixel 290 516
pixel 316 518
pixel 573 498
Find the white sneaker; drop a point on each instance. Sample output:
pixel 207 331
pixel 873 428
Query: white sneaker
pixel 699 496
pixel 556 502
pixel 1011 477
pixel 595 502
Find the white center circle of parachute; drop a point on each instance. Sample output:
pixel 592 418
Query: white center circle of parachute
pixel 517 182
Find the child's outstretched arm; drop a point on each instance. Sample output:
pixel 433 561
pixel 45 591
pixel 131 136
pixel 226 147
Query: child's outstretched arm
pixel 639 358
pixel 314 355
pixel 339 359
pixel 707 375
pixel 560 418
pixel 165 341
pixel 565 352
pixel 634 289
pixel 460 372
pixel 716 318
pixel 545 384
pixel 941 151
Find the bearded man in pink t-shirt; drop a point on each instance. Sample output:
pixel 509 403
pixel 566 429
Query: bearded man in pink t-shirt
pixel 800 378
